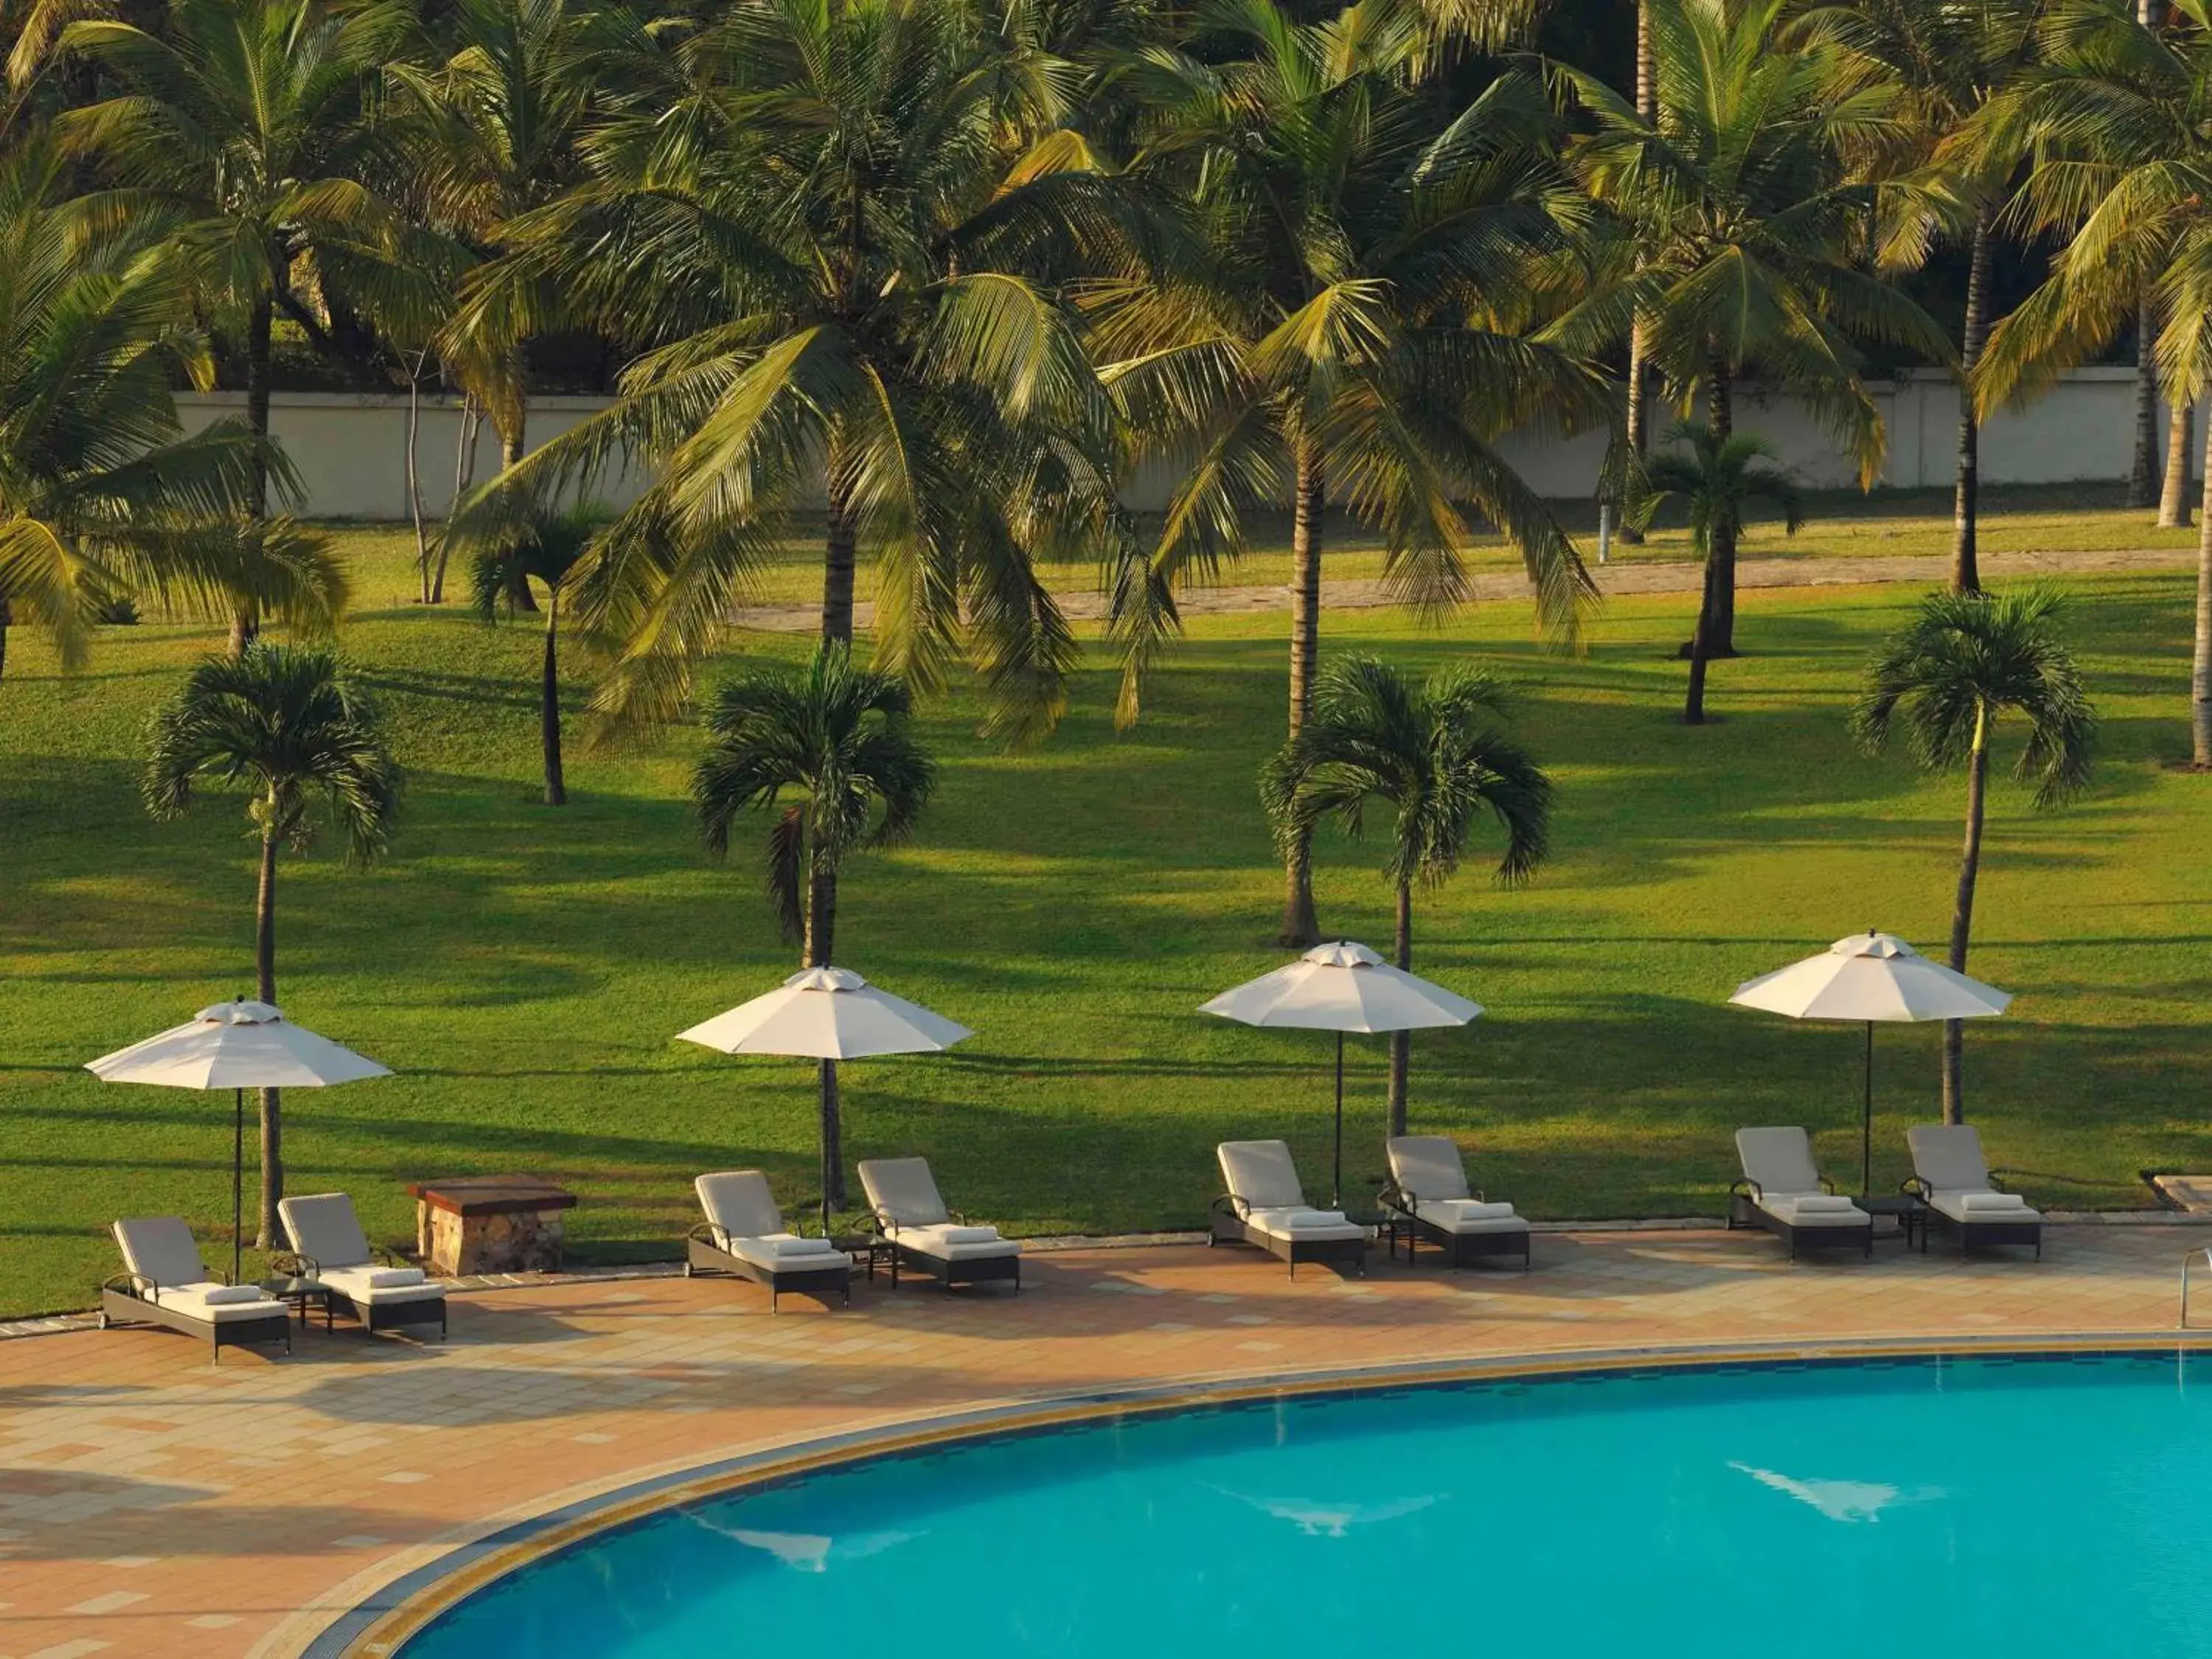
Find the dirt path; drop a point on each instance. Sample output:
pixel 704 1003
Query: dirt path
pixel 1085 604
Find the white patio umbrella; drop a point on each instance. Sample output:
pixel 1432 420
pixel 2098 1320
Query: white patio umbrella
pixel 827 1014
pixel 1342 987
pixel 1870 977
pixel 237 1046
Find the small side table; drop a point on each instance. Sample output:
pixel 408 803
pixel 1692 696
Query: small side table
pixel 1911 1219
pixel 867 1250
pixel 301 1294
pixel 490 1225
pixel 1382 1223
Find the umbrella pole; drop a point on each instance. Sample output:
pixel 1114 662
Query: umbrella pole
pixel 821 1132
pixel 1866 1121
pixel 1336 1170
pixel 237 1174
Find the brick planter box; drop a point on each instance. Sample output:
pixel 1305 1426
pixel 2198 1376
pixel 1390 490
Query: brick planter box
pixel 490 1225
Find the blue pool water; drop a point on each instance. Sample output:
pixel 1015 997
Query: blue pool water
pixel 2026 1507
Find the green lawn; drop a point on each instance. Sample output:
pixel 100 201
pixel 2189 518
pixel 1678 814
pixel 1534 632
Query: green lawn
pixel 523 969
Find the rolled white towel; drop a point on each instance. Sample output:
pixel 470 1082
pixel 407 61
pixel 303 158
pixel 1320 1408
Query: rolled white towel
pixel 966 1234
pixel 1991 1201
pixel 391 1279
pixel 1470 1209
pixel 1818 1203
pixel 219 1295
pixel 1300 1220
pixel 790 1245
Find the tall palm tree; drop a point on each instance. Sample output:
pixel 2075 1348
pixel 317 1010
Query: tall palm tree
pixel 246 117
pixel 545 548
pixel 1750 218
pixel 102 495
pixel 2123 174
pixel 836 736
pixel 1436 758
pixel 1948 59
pixel 293 728
pixel 1717 481
pixel 1352 333
pixel 838 227
pixel 1949 677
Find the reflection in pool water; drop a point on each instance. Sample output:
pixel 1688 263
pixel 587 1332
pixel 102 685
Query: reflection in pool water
pixel 2035 1507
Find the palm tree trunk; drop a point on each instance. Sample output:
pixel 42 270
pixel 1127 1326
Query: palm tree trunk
pixel 1962 911
pixel 1716 603
pixel 1966 509
pixel 513 445
pixel 464 474
pixel 2200 661
pixel 2174 487
pixel 7 619
pixel 548 705
pixel 821 935
pixel 1401 1042
pixel 841 556
pixel 1639 392
pixel 260 324
pixel 2142 475
pixel 1300 928
pixel 264 987
pixel 414 474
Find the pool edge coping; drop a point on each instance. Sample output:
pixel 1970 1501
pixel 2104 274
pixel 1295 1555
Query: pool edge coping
pixel 379 1625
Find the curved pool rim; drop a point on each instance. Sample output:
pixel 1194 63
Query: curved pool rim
pixel 380 1625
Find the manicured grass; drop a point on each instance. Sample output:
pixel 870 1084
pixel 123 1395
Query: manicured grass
pixel 523 969
pixel 2038 517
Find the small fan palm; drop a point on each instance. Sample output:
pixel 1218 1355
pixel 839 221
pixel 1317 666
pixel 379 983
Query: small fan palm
pixel 1964 663
pixel 545 548
pixel 102 495
pixel 1716 480
pixel 836 736
pixel 1437 758
pixel 293 728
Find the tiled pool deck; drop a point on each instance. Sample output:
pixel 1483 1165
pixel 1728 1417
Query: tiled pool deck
pixel 153 1504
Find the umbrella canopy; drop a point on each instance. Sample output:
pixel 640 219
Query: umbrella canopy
pixel 236 1046
pixel 827 1013
pixel 1342 987
pixel 1870 978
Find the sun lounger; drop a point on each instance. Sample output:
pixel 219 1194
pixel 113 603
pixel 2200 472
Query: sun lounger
pixel 927 1238
pixel 1783 1192
pixel 165 1283
pixel 1954 1182
pixel 330 1248
pixel 743 1234
pixel 1266 1208
pixel 1429 1192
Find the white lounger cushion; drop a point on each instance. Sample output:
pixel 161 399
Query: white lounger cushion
pixel 738 1204
pixel 217 1304
pixel 323 1228
pixel 1429 1167
pixel 1260 1173
pixel 783 1252
pixel 1948 1158
pixel 952 1244
pixel 903 1190
pixel 1779 1160
pixel 159 1247
pixel 1815 1210
pixel 380 1285
pixel 1983 1206
pixel 1468 1215
pixel 1298 1222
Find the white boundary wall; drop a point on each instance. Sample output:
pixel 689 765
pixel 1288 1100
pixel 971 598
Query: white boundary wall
pixel 348 449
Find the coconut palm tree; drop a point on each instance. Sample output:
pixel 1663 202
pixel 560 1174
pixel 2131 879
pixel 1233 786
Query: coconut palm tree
pixel 1435 757
pixel 1962 665
pixel 1952 175
pixel 294 728
pixel 102 495
pixel 837 232
pixel 545 548
pixel 1354 332
pixel 2123 175
pixel 836 736
pixel 245 117
pixel 1716 480
pixel 1750 213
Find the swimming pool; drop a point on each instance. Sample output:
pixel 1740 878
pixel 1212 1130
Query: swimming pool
pixel 2052 1505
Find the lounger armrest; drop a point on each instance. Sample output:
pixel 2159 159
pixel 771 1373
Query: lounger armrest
pixel 295 1264
pixel 1826 1185
pixel 703 1231
pixel 1997 1182
pixel 1392 1196
pixel 1230 1204
pixel 1745 1186
pixel 389 1258
pixel 1914 1187
pixel 135 1284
